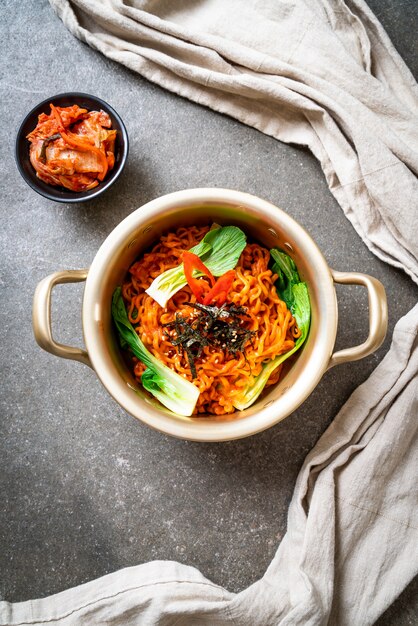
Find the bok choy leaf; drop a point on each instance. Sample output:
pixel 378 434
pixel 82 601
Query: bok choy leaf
pixel 219 249
pixel 295 294
pixel 171 389
pixel 287 275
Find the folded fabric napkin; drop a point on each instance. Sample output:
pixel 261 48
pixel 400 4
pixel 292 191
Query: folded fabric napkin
pixel 320 73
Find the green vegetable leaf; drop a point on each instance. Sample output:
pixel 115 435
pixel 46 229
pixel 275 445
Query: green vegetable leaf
pixel 301 308
pixel 219 250
pixel 171 389
pixel 296 296
pixel 288 275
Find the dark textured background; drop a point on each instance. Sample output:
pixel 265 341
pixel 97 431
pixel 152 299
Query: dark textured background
pixel 84 488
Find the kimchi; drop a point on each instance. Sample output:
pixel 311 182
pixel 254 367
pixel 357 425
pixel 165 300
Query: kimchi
pixel 72 147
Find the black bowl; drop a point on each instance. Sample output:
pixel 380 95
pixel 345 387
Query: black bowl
pixel 60 194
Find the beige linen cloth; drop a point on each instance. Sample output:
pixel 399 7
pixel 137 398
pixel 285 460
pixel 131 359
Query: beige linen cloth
pixel 320 73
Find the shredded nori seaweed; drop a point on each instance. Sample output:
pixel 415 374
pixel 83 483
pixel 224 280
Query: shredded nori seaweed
pixel 213 326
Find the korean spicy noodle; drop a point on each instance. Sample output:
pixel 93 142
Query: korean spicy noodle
pixel 220 374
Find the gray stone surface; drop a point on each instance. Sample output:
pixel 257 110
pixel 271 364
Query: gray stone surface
pixel 85 489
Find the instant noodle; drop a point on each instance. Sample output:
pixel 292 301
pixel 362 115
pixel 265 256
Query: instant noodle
pixel 220 372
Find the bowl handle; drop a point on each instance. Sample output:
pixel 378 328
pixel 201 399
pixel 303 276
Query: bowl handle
pixel 41 315
pixel 378 317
